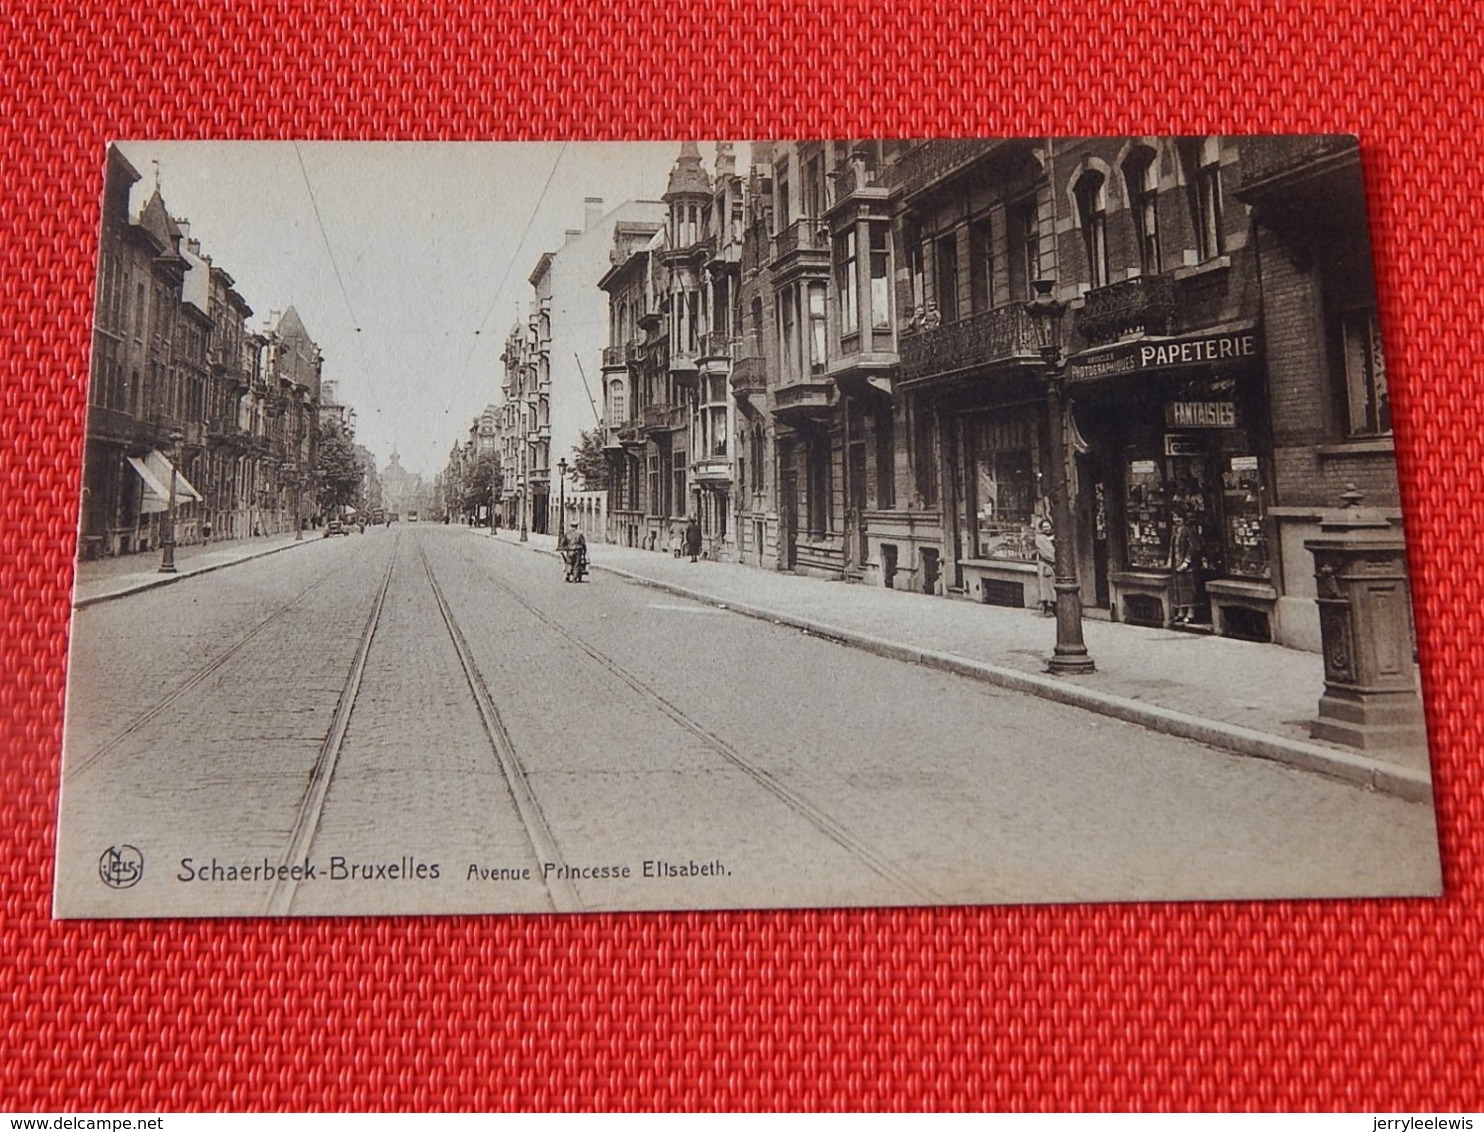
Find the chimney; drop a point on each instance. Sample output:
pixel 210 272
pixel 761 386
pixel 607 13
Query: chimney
pixel 592 212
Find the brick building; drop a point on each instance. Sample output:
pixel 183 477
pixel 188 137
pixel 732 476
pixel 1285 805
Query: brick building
pixel 181 392
pixel 889 411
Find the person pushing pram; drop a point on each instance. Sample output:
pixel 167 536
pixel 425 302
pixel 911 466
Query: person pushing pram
pixel 572 545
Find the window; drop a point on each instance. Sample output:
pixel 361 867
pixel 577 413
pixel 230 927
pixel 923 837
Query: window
pixel 818 328
pixel 1023 239
pixel 677 483
pixel 924 460
pixel 781 210
pixel 1364 369
pixel 845 282
pixel 981 266
pixel 915 273
pixel 617 404
pixel 814 187
pixel 819 488
pixel 1142 180
pixel 886 479
pixel 655 501
pixel 787 346
pixel 1203 169
pixel 1004 488
pixel 945 257
pixel 759 455
pixel 718 430
pixel 880 278
pixel 1092 217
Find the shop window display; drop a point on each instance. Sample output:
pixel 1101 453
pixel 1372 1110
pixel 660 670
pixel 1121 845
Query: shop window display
pixel 1005 491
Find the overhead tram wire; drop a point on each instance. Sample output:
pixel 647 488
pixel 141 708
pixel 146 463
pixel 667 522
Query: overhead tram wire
pixel 510 263
pixel 339 279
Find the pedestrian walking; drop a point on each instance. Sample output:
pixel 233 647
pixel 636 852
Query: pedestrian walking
pixel 206 531
pixel 693 538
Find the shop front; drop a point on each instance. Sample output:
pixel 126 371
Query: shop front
pixel 1005 515
pixel 1172 471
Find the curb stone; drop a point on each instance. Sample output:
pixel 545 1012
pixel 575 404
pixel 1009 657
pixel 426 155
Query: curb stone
pixel 170 579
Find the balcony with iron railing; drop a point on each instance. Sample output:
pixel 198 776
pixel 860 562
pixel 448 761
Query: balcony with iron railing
pixel 802 237
pixel 614 357
pixel 712 469
pixel 684 366
pixel 662 418
pixel 986 338
pixel 715 344
pixel 1145 304
pixel 931 162
pixel 806 397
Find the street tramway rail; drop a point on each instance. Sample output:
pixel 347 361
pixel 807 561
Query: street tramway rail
pixel 560 892
pixel 827 825
pixel 76 768
pixel 312 803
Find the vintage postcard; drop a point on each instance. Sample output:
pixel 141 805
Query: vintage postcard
pixel 608 526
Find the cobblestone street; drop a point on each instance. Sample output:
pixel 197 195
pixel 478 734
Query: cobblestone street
pixel 417 719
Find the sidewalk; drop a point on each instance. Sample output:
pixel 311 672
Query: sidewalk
pixel 1254 699
pixel 109 578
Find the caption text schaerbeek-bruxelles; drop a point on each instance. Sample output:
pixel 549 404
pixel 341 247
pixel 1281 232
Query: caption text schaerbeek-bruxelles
pixel 412 869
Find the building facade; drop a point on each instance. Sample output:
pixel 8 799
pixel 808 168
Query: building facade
pixel 865 305
pixel 185 404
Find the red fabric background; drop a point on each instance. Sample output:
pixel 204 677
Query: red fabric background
pixel 1351 1005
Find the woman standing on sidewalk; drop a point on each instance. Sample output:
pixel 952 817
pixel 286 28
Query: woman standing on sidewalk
pixel 1045 568
pixel 1184 547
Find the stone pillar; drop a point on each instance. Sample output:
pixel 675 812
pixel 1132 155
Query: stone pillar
pixel 1370 699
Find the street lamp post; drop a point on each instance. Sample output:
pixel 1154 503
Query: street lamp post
pixel 167 554
pixel 520 487
pixel 1070 657
pixel 562 496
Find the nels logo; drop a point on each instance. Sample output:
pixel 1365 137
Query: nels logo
pixel 121 866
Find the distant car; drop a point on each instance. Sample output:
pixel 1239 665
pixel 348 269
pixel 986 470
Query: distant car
pixel 412 516
pixel 335 527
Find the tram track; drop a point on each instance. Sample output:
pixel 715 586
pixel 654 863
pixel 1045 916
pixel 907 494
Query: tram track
pixel 561 893
pixel 832 829
pixel 77 768
pixel 311 804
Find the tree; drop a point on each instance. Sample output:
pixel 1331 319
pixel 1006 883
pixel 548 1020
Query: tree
pixel 482 483
pixel 588 461
pixel 340 471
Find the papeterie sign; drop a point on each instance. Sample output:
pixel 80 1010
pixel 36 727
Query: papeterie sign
pixel 1135 357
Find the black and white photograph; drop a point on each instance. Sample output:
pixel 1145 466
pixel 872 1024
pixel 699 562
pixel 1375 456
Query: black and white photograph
pixel 573 526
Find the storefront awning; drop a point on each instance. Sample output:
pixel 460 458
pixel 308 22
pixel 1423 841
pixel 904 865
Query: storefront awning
pixel 154 469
